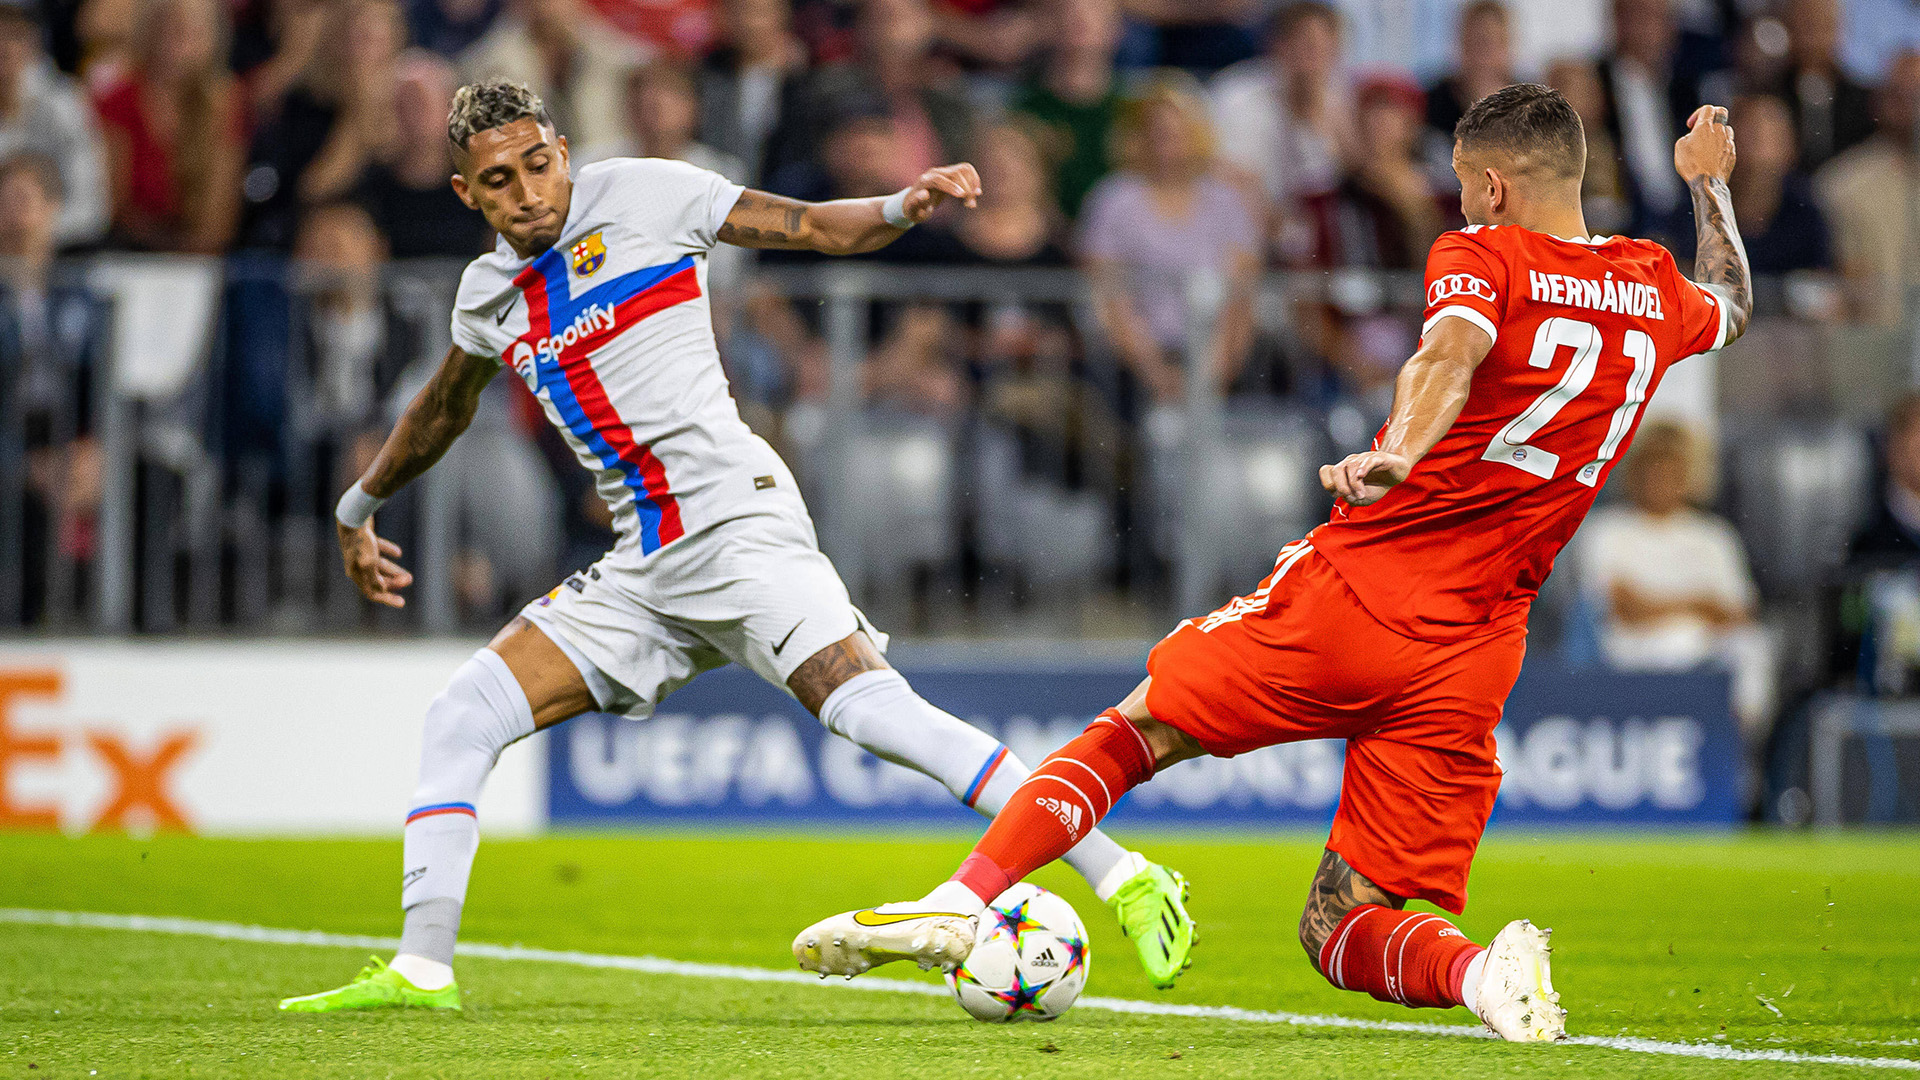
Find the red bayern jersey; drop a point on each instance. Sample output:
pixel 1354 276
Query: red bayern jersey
pixel 1582 333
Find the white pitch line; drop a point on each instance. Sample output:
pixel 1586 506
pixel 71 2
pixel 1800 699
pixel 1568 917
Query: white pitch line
pixel 654 965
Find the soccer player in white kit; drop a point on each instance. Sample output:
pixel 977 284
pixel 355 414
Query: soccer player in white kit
pixel 596 297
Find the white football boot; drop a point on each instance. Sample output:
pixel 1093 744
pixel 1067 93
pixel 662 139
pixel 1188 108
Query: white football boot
pixel 856 941
pixel 1515 998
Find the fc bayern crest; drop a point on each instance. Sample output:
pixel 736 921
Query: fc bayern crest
pixel 588 254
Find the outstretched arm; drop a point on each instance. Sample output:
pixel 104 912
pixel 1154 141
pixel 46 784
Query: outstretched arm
pixel 843 226
pixel 1705 157
pixel 1427 398
pixel 436 417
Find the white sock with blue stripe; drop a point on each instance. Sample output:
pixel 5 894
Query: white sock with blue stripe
pixel 879 711
pixel 479 714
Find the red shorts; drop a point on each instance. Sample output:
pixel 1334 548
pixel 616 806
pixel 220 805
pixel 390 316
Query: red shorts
pixel 1299 659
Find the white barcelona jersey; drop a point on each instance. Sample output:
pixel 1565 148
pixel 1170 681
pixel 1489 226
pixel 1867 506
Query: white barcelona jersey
pixel 611 330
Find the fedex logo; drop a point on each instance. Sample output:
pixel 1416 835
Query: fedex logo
pixel 1459 285
pixel 139 792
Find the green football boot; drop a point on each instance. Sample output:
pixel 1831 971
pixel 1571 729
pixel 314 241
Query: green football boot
pixel 1152 909
pixel 376 987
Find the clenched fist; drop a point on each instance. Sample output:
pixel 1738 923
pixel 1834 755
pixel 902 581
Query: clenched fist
pixel 1706 150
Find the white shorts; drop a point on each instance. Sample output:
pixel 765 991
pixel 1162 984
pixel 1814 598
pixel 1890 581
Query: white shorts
pixel 754 591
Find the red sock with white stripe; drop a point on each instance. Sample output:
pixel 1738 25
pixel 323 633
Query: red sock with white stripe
pixel 1412 958
pixel 1058 805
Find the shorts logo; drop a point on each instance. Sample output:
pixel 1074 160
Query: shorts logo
pixel 576 583
pixel 1459 285
pixel 1068 813
pixel 412 876
pixel 588 255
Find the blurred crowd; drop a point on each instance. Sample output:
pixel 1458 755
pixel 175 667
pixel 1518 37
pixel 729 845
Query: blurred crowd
pixel 1132 141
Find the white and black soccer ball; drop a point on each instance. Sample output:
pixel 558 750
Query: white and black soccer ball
pixel 1029 959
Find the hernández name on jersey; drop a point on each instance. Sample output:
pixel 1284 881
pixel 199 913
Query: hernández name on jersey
pixel 1635 298
pixel 611 330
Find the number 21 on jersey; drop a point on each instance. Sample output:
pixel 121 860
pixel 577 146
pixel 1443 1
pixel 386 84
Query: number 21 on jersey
pixel 1514 445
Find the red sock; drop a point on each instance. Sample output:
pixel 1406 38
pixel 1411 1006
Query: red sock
pixel 1414 958
pixel 1058 805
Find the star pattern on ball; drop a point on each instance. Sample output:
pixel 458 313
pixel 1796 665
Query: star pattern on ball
pixel 1022 996
pixel 1076 952
pixel 1016 921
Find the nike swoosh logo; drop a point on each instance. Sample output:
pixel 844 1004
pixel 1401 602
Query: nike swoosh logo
pixel 874 918
pixel 501 319
pixel 789 637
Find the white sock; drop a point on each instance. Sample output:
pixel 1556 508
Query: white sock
pixel 1470 982
pixel 1131 863
pixel 479 714
pixel 879 711
pixel 953 896
pixel 421 972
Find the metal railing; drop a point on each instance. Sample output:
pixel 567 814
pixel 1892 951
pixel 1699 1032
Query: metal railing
pixel 215 475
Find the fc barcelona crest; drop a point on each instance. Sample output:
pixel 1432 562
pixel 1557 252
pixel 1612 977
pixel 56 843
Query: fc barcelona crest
pixel 588 254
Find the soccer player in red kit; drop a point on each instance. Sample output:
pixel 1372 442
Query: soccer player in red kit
pixel 1400 624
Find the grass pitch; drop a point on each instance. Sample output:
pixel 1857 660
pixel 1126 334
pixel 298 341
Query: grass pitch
pixel 1796 944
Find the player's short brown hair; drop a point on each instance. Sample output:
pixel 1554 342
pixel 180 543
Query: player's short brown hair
pixel 494 103
pixel 1530 123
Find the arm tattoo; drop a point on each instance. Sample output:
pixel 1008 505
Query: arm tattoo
pixel 760 220
pixel 824 671
pixel 1721 258
pixel 1337 889
pixel 437 416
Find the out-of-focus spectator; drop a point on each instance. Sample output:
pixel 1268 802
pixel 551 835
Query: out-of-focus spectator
pixel 568 56
pixel 332 127
pixel 51 329
pixel 339 254
pixel 449 27
pixel 42 113
pixel 1165 214
pixel 174 132
pixel 1385 213
pixel 1773 200
pixel 1604 198
pixel 1831 111
pixel 1892 535
pixel 1289 114
pixel 1649 93
pixel 1076 95
pixel 407 194
pixel 1877 639
pixel 931 117
pixel 1485 65
pixel 744 82
pixel 995 35
pixel 1870 194
pixel 662 114
pixel 854 159
pixel 681 29
pixel 276 45
pixel 1017 223
pixel 1671 581
pixel 1201 36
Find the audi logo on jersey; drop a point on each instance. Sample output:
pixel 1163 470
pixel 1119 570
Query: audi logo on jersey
pixel 1459 285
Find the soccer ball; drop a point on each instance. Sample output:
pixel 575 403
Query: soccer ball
pixel 1029 959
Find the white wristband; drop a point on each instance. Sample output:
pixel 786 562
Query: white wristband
pixel 356 507
pixel 894 210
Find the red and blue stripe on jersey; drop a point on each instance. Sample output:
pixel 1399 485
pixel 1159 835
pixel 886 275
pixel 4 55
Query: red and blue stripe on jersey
pixel 565 372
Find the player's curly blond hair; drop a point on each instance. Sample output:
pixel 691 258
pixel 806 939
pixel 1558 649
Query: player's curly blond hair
pixel 493 103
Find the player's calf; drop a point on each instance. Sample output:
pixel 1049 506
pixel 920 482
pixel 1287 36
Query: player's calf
pixel 1360 939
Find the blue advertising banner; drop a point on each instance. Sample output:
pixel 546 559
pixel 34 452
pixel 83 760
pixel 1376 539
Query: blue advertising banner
pixel 1579 748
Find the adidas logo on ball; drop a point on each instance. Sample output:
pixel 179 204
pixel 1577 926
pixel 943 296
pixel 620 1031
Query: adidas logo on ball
pixel 1045 959
pixel 1068 813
